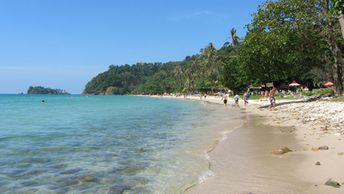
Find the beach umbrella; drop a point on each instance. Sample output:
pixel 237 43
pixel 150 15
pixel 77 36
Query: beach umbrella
pixel 328 84
pixel 294 84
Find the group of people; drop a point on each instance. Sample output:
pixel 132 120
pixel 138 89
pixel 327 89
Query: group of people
pixel 247 95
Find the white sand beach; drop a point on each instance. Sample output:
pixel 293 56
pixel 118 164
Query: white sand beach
pixel 250 161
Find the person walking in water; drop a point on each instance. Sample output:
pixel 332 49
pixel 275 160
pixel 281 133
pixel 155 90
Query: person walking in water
pixel 272 97
pixel 236 99
pixel 225 99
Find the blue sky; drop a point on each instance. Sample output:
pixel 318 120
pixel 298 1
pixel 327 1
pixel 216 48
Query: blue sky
pixel 64 43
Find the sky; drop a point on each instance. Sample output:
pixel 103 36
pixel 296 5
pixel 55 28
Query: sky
pixel 64 43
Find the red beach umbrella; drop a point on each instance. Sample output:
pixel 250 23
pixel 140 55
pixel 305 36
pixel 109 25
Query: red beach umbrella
pixel 294 84
pixel 328 84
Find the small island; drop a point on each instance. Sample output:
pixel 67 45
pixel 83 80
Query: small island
pixel 43 90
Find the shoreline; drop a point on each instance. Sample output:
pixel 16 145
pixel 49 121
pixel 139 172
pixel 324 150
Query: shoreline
pixel 311 167
pixel 210 173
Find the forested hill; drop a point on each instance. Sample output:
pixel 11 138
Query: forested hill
pixel 203 71
pixel 287 40
pixel 140 78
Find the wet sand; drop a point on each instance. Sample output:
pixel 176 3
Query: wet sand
pixel 243 163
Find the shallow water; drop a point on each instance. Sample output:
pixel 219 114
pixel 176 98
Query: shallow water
pixel 101 144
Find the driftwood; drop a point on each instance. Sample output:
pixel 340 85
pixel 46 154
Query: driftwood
pixel 309 99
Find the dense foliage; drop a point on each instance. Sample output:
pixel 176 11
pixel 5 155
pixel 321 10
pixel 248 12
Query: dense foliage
pixel 294 40
pixel 287 40
pixel 42 90
pixel 283 42
pixel 201 72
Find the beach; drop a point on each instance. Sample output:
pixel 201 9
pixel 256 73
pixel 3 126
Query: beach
pixel 172 97
pixel 318 130
pixel 250 160
pixel 189 145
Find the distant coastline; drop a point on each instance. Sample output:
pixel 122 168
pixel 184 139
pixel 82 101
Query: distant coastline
pixel 43 90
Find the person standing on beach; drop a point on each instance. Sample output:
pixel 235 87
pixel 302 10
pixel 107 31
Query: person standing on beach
pixel 272 97
pixel 247 96
pixel 225 98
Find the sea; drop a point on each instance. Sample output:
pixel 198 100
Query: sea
pixel 105 144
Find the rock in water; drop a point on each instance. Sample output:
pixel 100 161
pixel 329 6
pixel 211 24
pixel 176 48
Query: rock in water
pixel 318 163
pixel 332 183
pixel 88 178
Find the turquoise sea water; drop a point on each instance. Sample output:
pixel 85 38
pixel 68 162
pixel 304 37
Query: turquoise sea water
pixel 100 144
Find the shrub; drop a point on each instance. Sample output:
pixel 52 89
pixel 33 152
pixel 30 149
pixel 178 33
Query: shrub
pixel 323 91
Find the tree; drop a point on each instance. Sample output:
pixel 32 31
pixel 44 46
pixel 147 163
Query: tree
pixel 209 72
pixel 288 38
pixel 338 10
pixel 235 38
pixel 281 44
pixel 330 30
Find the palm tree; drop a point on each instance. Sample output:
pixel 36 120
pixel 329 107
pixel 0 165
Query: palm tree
pixel 179 73
pixel 235 38
pixel 210 69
